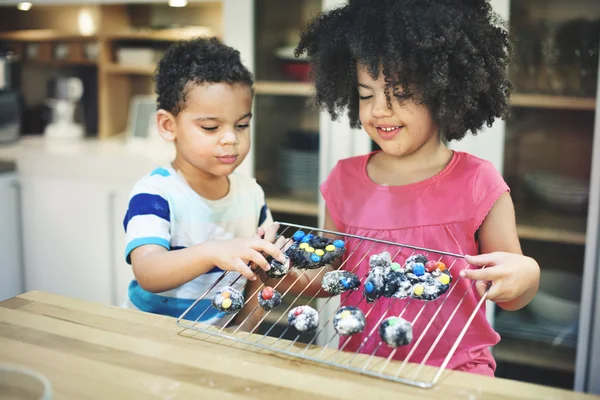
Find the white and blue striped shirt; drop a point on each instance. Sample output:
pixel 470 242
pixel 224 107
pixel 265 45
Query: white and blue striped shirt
pixel 164 210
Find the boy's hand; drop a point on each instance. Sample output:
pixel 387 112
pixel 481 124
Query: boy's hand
pixel 515 278
pixel 236 254
pixel 270 234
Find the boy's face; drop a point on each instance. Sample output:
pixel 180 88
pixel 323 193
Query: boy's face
pixel 212 131
pixel 400 130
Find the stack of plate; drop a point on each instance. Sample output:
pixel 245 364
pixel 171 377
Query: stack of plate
pixel 298 170
pixel 564 193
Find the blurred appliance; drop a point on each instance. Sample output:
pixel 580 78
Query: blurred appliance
pixel 11 104
pixel 64 95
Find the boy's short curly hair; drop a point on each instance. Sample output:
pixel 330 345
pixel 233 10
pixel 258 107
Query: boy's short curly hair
pixel 453 55
pixel 196 61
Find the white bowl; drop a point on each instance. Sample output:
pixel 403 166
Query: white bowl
pixel 20 383
pixel 557 300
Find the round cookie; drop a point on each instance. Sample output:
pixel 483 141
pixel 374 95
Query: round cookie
pixel 311 252
pixel 269 298
pixel 228 299
pixel 396 331
pixel 349 320
pixel 336 282
pixel 304 319
pixel 278 270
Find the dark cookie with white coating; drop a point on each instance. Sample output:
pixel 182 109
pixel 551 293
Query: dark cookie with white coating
pixel 336 282
pixel 349 320
pixel 397 284
pixel 304 319
pixel 396 331
pixel 278 270
pixel 430 280
pixel 374 286
pixel 311 252
pixel 269 298
pixel 228 299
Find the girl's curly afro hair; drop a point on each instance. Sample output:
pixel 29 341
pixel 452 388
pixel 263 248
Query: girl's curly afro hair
pixel 201 60
pixel 452 54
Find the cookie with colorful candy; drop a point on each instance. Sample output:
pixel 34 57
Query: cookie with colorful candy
pixel 304 319
pixel 430 279
pixel 228 299
pixel 269 298
pixel 311 251
pixel 396 331
pixel 336 282
pixel 349 320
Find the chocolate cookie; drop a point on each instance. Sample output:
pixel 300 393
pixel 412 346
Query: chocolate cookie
pixel 395 331
pixel 349 320
pixel 304 319
pixel 269 298
pixel 336 282
pixel 228 299
pixel 311 252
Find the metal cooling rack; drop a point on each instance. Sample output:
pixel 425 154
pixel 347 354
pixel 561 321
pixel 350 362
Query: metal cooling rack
pixel 368 364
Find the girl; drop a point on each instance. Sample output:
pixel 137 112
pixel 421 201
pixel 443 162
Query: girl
pixel 416 74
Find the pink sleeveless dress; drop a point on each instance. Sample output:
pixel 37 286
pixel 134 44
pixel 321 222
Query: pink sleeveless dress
pixel 441 213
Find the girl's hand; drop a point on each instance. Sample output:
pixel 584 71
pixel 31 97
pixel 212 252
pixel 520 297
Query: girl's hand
pixel 236 254
pixel 514 277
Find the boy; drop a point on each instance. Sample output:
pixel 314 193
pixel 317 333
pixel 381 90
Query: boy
pixel 189 221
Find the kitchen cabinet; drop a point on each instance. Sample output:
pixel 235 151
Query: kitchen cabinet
pixel 73 200
pixel 11 264
pixel 552 136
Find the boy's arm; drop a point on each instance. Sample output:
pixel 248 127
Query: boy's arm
pixel 156 269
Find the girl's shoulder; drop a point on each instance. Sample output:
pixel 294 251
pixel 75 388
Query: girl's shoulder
pixel 477 171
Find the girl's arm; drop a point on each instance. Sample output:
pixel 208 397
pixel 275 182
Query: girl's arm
pixel 157 270
pixel 515 277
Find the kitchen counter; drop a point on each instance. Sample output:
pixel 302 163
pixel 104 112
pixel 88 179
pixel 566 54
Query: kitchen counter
pixel 112 159
pixel 88 350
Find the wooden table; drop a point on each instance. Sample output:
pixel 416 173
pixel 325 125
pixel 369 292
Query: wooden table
pixel 93 351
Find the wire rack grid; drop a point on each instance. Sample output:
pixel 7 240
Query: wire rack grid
pixel 359 360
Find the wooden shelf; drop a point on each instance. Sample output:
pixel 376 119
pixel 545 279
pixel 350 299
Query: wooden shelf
pixel 65 63
pixel 536 354
pixel 165 35
pixel 556 102
pixel 292 206
pixel 44 35
pixel 117 69
pixel 284 88
pixel 548 226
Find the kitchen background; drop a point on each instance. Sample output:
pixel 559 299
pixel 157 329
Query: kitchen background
pixel 76 107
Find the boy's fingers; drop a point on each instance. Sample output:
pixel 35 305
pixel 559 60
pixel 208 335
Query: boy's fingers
pixel 243 269
pixel 258 259
pixel 270 249
pixel 271 232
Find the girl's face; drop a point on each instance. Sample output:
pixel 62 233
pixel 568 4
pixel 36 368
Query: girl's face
pixel 399 130
pixel 212 132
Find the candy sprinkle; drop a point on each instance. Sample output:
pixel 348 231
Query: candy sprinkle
pixel 226 303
